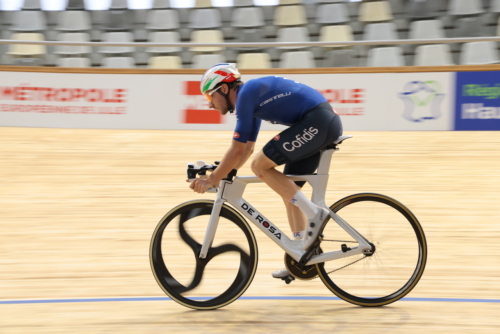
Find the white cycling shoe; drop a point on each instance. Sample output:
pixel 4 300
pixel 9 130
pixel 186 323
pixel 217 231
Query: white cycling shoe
pixel 281 273
pixel 314 226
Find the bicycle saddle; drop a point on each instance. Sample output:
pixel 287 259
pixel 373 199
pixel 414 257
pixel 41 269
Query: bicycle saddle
pixel 341 139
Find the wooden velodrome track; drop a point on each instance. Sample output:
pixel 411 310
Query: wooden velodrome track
pixel 78 208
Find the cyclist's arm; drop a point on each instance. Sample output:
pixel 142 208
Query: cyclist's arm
pixel 233 156
pixel 248 152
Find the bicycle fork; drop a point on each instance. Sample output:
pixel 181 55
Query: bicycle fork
pixel 213 222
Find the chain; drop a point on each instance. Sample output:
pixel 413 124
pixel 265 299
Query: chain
pixel 346 265
pixel 352 242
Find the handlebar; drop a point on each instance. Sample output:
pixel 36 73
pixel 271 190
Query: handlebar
pixel 201 168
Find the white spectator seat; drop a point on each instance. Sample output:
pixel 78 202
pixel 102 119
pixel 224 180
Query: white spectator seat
pixel 332 13
pixel 73 21
pixel 248 17
pixel 31 5
pixel 376 11
pixel 203 4
pixel 73 49
pixel 243 3
pixel 73 62
pixel 337 33
pixel 380 31
pixel 293 34
pixel 495 6
pixel 297 59
pixel 465 7
pixel 253 60
pixel 161 4
pixel 207 36
pixel 426 29
pixel 163 37
pixel 117 37
pixel 167 19
pixel 207 61
pixel 478 53
pixel 386 57
pixel 167 62
pixel 290 16
pixel 118 5
pixel 28 21
pixel 118 62
pixel 31 50
pixel 204 18
pixel 433 55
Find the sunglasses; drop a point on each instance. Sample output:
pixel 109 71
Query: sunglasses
pixel 208 95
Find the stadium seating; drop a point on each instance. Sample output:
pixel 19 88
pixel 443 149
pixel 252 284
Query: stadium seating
pixel 244 22
pixel 253 60
pixel 479 53
pixel 166 62
pixel 118 62
pixel 27 50
pixel 70 50
pixel 163 37
pixel 386 56
pixel 433 55
pixel 297 59
pixel 376 11
pixel 73 62
pixel 206 61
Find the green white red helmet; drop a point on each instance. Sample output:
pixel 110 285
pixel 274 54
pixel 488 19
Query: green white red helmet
pixel 216 74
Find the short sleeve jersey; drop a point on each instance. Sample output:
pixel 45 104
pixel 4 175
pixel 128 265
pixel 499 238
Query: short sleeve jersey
pixel 273 99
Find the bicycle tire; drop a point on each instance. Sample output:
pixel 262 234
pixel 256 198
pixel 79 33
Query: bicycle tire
pixel 349 277
pixel 169 283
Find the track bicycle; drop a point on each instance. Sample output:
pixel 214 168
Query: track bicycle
pixel 372 252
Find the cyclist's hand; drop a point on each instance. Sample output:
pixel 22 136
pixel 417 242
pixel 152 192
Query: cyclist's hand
pixel 200 185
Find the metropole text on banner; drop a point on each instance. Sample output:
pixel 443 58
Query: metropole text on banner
pixel 92 101
pixel 477 105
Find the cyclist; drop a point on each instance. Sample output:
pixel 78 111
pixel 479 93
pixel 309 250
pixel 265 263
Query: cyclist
pixel 312 126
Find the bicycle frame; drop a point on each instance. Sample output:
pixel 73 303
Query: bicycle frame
pixel 232 191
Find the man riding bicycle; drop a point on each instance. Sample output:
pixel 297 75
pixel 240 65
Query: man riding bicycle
pixel 312 126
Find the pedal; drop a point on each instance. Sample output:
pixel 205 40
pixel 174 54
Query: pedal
pixel 288 279
pixel 310 252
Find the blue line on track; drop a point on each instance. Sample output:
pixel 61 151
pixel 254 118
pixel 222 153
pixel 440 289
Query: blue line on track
pixel 148 299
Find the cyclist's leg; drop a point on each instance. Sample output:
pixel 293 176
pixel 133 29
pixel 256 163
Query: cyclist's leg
pixel 296 217
pixel 302 140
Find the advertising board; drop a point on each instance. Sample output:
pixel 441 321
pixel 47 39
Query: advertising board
pixel 365 101
pixel 477 105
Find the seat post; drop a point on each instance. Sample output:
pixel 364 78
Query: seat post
pixel 325 160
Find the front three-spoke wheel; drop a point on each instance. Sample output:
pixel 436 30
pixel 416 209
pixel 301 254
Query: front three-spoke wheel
pixel 398 244
pixel 208 283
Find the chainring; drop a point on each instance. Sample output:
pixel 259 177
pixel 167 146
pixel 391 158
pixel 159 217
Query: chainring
pixel 306 273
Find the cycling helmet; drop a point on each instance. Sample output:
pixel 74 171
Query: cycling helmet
pixel 217 74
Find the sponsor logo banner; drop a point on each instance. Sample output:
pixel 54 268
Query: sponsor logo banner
pixel 477 105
